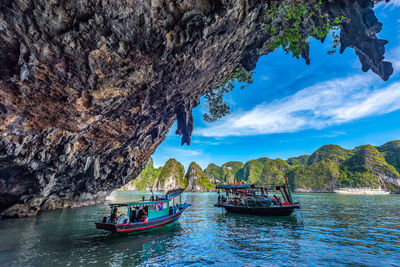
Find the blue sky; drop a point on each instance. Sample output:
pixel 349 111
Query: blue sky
pixel 292 109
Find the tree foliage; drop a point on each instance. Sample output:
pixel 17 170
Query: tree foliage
pixel 217 107
pixel 290 33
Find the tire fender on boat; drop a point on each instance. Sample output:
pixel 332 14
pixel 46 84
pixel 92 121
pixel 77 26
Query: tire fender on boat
pixel 123 219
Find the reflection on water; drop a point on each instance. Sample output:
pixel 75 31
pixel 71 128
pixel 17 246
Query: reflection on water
pixel 335 229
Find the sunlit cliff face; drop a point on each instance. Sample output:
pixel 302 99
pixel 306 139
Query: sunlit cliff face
pixel 89 89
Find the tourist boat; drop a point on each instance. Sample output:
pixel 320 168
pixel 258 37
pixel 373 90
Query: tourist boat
pixel 252 199
pixel 361 191
pixel 144 215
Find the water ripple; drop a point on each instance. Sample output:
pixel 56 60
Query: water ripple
pixel 332 230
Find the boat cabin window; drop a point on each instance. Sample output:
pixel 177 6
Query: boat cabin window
pixel 152 207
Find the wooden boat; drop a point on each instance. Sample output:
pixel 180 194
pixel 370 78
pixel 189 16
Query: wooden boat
pixel 145 215
pixel 252 199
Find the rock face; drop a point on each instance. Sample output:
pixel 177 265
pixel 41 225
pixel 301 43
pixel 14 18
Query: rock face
pixel 146 180
pixel 172 176
pixel 89 88
pixel 225 173
pixel 391 152
pixel 197 180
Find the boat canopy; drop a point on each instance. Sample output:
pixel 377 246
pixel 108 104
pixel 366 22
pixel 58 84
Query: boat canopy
pixel 174 193
pixel 235 186
pixel 128 204
pixel 168 196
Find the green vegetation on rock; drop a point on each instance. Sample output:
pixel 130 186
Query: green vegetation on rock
pixel 320 176
pixel 298 161
pixel 215 172
pixel 332 152
pixel 391 152
pixel 217 107
pixel 292 31
pixel 252 170
pixel 225 173
pixel 274 173
pixel 146 180
pixel 172 175
pixel 366 168
pixel 328 168
pixel 197 180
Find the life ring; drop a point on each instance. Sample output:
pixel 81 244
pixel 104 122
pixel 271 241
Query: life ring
pixel 123 219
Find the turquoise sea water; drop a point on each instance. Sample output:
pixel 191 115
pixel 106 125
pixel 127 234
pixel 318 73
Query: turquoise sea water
pixel 335 230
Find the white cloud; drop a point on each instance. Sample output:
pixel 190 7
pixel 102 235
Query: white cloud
pixel 182 151
pixel 395 3
pixel 392 3
pixel 321 105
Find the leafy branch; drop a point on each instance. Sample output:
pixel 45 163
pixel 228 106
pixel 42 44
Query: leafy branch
pixel 289 35
pixel 217 107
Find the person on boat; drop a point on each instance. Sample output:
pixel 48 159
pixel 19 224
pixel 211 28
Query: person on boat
pixel 114 215
pixel 223 199
pixel 143 215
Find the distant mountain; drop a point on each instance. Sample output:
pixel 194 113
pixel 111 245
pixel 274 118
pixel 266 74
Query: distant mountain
pixel 252 170
pixel 328 168
pixel 331 152
pixel 225 173
pixel 300 160
pixel 391 152
pixel 197 180
pixel 171 176
pixel 274 172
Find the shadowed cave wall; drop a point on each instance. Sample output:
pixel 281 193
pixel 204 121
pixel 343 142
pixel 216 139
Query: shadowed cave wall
pixel 90 88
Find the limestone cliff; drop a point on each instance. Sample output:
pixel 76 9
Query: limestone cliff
pixel 146 180
pixel 90 88
pixel 172 176
pixel 225 173
pixel 197 180
pixel 328 168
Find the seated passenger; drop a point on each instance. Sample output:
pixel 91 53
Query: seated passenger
pixel 143 215
pixel 223 199
pixel 114 215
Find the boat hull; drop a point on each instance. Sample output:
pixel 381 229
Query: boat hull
pixel 141 226
pixel 264 211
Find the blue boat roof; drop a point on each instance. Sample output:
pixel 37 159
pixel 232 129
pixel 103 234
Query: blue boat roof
pixel 168 197
pixel 235 186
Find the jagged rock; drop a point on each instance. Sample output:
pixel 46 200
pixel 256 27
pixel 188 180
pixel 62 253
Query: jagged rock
pixel 146 180
pixel 197 180
pixel 332 152
pixel 227 173
pixel 90 88
pixel 172 176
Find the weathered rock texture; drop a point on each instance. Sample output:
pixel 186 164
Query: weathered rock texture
pixel 197 180
pixel 146 180
pixel 172 176
pixel 89 88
